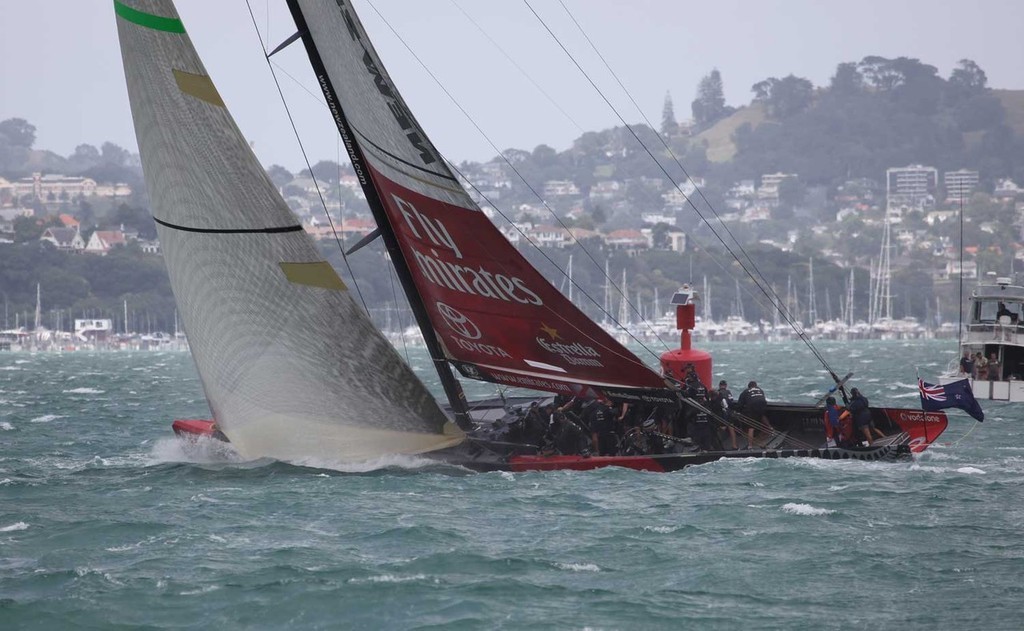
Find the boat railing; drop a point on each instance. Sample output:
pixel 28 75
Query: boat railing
pixel 1006 333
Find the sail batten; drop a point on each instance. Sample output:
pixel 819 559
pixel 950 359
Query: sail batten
pixel 291 365
pixel 493 315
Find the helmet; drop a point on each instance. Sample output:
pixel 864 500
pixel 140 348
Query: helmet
pixel 648 424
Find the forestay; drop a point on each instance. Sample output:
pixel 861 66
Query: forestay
pixel 495 317
pixel 291 365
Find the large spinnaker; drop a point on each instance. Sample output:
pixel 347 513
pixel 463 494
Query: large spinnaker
pixel 291 365
pixel 494 315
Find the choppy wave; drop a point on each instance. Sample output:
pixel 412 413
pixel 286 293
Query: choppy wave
pixel 46 418
pixel 805 509
pixel 109 520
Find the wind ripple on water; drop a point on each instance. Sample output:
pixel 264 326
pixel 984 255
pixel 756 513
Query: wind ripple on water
pixel 107 521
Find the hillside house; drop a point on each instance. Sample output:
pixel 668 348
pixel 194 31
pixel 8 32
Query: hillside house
pixel 102 241
pixel 64 239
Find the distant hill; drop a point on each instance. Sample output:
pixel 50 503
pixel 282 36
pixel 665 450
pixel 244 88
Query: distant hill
pixel 719 137
pixel 1013 103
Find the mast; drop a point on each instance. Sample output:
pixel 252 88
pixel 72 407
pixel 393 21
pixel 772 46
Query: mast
pixel 452 388
pixel 570 278
pixel 607 298
pixel 872 291
pixel 624 303
pixel 812 306
pixel 38 315
pixel 706 309
pixel 36 333
pixel 885 273
pixel 849 301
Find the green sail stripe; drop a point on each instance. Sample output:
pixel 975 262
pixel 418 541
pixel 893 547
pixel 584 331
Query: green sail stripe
pixel 171 25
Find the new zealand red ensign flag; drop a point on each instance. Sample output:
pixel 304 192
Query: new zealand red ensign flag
pixel 957 394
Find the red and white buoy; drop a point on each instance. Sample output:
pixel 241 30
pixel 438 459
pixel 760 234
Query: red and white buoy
pixel 674 363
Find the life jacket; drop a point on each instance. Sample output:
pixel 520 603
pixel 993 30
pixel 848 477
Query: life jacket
pixel 832 426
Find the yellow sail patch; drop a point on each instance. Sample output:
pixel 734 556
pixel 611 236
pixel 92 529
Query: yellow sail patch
pixel 199 86
pixel 318 274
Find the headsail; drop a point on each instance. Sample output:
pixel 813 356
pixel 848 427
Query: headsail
pixel 291 365
pixel 494 316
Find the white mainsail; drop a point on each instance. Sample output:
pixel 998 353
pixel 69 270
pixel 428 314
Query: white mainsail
pixel 292 367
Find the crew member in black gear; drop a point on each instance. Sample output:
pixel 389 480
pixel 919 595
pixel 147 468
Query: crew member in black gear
pixel 569 438
pixel 701 429
pixel 752 404
pixel 861 412
pixel 653 443
pixel 598 417
pixel 535 425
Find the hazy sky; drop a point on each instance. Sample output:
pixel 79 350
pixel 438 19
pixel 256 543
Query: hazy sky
pixel 61 65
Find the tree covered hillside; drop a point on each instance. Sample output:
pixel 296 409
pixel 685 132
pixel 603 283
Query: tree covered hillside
pixel 875 114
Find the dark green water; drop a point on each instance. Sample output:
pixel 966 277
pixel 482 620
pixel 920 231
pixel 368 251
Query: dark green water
pixel 108 522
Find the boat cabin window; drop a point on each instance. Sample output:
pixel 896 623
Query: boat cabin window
pixel 989 311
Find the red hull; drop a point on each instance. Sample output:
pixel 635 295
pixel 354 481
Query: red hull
pixel 579 463
pixel 923 427
pixel 194 428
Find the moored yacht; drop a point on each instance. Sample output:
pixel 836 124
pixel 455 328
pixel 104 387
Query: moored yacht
pixel 995 328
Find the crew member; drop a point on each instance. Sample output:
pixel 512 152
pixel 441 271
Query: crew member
pixel 861 413
pixel 598 417
pixel 700 423
pixel 833 426
pixel 725 403
pixel 752 403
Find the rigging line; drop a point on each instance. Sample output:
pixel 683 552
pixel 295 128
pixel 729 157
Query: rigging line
pixel 518 67
pixel 401 324
pixel 966 434
pixel 960 299
pixel 317 97
pixel 671 179
pixel 763 286
pixel 305 158
pixel 668 148
pixel 671 152
pixel 514 169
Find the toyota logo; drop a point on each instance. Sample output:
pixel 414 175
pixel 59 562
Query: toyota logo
pixel 458 322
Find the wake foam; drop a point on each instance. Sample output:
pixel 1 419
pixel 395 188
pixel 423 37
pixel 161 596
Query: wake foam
pixel 46 418
pixel 15 526
pixel 578 567
pixel 970 471
pixel 395 461
pixel 198 451
pixel 805 510
pixel 209 451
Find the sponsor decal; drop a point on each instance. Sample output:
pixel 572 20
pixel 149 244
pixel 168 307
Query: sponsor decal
pixel 470 371
pixel 468 332
pixel 458 322
pixel 526 381
pixel 575 354
pixel 395 104
pixel 472 281
pixel 912 416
